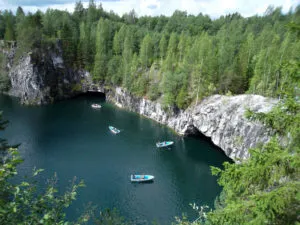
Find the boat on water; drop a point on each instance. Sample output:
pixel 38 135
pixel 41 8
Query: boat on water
pixel 164 144
pixel 141 178
pixel 114 130
pixel 96 106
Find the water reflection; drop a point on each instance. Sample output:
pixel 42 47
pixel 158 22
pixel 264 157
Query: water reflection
pixel 72 139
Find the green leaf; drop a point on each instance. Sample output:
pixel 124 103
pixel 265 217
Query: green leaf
pixel 36 172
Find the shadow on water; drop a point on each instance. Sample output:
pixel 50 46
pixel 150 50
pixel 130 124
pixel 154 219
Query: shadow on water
pixel 91 94
pixel 193 133
pixel 72 139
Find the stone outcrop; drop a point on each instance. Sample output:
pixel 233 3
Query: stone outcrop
pixel 42 77
pixel 219 117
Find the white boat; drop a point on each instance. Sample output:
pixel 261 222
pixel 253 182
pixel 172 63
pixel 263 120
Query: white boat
pixel 96 106
pixel 114 130
pixel 141 178
pixel 164 144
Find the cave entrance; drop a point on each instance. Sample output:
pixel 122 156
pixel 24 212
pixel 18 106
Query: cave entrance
pixel 92 95
pixel 193 132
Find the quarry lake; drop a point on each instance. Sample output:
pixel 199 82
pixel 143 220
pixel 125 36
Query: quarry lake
pixel 71 139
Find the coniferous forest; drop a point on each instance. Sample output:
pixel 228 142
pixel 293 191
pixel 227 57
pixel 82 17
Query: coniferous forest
pixel 178 61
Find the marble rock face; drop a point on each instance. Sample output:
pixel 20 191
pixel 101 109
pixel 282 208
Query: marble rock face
pixel 41 78
pixel 222 118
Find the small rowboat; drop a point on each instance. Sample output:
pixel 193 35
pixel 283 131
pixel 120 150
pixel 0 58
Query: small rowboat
pixel 96 106
pixel 164 144
pixel 114 130
pixel 141 178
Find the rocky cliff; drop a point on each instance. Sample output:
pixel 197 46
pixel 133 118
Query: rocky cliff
pixel 42 77
pixel 219 117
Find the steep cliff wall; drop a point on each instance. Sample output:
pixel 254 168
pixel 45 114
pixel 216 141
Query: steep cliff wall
pixel 42 77
pixel 219 117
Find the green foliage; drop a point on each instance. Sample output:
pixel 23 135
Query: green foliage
pixel 29 34
pixel 282 118
pixel 171 60
pixel 110 217
pixel 101 56
pixel 4 79
pixel 24 202
pixel 230 54
pixel 171 84
pixel 69 43
pixel 202 216
pixel 193 56
pixel 265 188
pixel 21 203
pixel 262 190
pixel 114 70
pixel 154 92
pixel 129 61
pixel 146 52
pixel 9 34
pixel 182 99
pixel 140 86
pixel 163 47
pixel 2 26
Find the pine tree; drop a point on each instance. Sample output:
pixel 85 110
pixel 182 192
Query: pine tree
pixel 9 34
pixel 101 58
pixel 170 62
pixel 127 57
pixel 163 45
pixel 146 51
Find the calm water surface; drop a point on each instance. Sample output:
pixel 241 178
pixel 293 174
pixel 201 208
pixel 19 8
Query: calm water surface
pixel 72 139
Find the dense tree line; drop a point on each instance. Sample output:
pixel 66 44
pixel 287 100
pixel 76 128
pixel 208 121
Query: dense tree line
pixel 264 189
pixel 177 59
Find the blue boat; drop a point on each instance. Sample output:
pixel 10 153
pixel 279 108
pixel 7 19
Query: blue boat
pixel 114 130
pixel 164 144
pixel 141 178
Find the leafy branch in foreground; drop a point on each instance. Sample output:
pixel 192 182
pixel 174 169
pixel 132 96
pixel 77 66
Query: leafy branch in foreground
pixel 25 203
pixel 281 118
pixel 265 188
pixel 262 190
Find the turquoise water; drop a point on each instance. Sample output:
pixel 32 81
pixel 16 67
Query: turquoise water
pixel 72 139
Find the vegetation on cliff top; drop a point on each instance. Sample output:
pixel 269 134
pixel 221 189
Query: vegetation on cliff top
pixel 177 59
pixel 265 188
pixel 181 59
